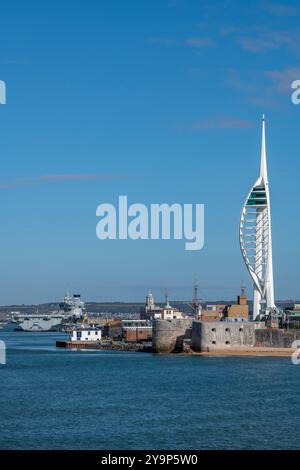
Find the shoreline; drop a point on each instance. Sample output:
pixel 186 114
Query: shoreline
pixel 104 346
pixel 255 351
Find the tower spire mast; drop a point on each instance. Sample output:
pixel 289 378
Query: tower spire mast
pixel 263 157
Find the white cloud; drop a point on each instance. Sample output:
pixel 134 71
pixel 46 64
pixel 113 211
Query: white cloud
pixel 221 122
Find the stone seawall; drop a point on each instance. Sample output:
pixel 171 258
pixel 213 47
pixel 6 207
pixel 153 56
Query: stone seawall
pixel 173 336
pixel 276 338
pixel 168 335
pixel 105 345
pixel 210 336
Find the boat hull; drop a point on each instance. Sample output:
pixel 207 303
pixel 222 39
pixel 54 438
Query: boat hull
pixel 39 324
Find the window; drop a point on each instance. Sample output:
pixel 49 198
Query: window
pixel 227 342
pixel 213 329
pixel 241 329
pixel 227 329
pixel 213 342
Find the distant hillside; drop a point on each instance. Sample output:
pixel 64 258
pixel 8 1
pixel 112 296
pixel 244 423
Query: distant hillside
pixel 119 307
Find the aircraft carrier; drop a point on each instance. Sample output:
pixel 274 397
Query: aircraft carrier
pixel 71 309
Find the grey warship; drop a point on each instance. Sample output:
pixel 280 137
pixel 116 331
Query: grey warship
pixel 71 309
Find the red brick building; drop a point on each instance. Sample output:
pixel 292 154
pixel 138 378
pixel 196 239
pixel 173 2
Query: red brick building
pixel 136 330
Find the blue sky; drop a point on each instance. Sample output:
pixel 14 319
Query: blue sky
pixel 161 101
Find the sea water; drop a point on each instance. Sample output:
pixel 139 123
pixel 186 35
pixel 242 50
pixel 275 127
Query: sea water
pixel 53 398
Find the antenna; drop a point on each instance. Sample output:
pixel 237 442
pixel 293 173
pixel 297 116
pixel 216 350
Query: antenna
pixel 196 300
pixel 166 296
pixel 242 287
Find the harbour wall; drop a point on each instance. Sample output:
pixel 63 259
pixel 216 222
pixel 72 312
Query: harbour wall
pixel 168 336
pixel 209 336
pixel 105 345
pixel 173 336
pixel 276 338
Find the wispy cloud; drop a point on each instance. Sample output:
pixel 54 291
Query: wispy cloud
pixel 196 42
pixel 252 86
pixel 262 101
pixel 281 9
pixel 176 3
pixel 75 177
pixel 227 30
pixel 235 80
pixel 200 42
pixel 54 178
pixel 164 41
pixel 221 122
pixel 255 44
pixel 282 79
pixel 261 40
pixel 263 88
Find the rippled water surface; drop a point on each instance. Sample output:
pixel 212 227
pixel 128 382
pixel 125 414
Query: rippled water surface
pixel 56 399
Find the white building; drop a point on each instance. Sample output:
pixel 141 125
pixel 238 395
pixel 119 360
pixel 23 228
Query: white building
pixel 171 313
pixel 88 334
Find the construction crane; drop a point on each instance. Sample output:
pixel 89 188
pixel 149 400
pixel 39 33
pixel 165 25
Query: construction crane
pixel 195 305
pixel 85 320
pixel 196 301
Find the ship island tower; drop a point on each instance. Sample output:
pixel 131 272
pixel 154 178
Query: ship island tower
pixel 256 239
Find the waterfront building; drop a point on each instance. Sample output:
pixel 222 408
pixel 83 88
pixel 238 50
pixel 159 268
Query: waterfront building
pixel 171 313
pixel 256 239
pixel 238 311
pixel 113 329
pixel 229 312
pixel 212 312
pixel 136 330
pixel 154 312
pixel 86 334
